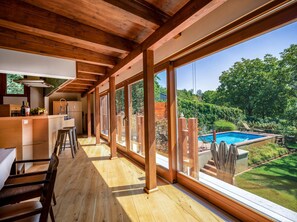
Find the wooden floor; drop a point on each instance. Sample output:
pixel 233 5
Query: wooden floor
pixel 93 188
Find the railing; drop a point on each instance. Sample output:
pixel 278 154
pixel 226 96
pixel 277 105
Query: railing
pixel 140 133
pixel 188 146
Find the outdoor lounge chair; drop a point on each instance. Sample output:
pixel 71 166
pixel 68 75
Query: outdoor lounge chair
pixel 247 128
pixel 205 143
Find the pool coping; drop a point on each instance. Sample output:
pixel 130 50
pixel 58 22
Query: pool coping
pixel 266 136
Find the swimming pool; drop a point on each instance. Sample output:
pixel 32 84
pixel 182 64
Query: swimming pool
pixel 231 137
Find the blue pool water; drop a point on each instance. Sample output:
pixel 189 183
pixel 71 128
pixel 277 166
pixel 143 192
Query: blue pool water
pixel 231 137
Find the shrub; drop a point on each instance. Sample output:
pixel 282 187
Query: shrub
pixel 223 125
pixel 207 113
pixel 261 154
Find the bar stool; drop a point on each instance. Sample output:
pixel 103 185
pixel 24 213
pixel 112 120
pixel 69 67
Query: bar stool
pixel 74 136
pixel 61 140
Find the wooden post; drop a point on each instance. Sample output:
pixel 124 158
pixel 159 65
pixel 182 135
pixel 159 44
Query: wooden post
pixel 89 114
pixel 193 146
pixel 139 134
pixel 112 118
pixel 149 122
pixel 214 134
pixel 181 142
pixel 119 127
pixel 171 110
pixel 128 104
pixel 97 114
pixel 142 134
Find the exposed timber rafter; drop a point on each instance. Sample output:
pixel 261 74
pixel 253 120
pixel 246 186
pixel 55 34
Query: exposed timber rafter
pixel 82 82
pixel 91 69
pixel 142 9
pixel 19 41
pixel 14 15
pixel 88 77
pixel 70 86
pixel 188 15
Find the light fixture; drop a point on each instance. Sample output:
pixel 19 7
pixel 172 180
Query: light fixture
pixel 33 83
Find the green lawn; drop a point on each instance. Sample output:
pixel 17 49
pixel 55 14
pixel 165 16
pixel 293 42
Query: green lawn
pixel 275 181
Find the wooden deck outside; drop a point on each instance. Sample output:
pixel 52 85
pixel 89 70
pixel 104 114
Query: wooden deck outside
pixel 93 188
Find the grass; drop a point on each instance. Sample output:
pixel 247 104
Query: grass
pixel 275 181
pixel 261 154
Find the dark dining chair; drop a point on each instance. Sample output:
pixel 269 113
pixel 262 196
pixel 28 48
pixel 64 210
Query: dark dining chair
pixel 15 189
pixel 25 186
pixel 34 210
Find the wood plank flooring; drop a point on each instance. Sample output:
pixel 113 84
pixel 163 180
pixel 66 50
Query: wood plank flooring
pixel 93 188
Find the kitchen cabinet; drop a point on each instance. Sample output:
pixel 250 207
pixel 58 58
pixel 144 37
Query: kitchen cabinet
pixel 34 137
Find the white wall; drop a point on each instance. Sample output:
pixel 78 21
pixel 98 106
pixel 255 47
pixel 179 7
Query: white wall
pixel 36 65
pixel 14 100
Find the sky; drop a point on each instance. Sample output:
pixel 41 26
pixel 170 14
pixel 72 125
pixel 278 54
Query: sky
pixel 210 68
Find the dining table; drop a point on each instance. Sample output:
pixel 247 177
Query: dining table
pixel 7 157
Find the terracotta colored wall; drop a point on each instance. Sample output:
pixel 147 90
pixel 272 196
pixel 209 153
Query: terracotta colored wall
pixel 160 110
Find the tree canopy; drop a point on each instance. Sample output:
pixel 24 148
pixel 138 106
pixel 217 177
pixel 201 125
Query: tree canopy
pixel 260 87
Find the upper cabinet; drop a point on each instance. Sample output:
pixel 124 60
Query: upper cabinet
pixel 60 107
pixel 74 106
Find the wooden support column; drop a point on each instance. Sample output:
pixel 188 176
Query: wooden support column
pixel 89 114
pixel 112 118
pixel 97 114
pixel 171 110
pixel 149 122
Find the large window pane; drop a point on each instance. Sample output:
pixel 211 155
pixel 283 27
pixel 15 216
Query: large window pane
pixel 136 120
pixel 243 100
pixel 104 114
pixel 160 90
pixel 121 117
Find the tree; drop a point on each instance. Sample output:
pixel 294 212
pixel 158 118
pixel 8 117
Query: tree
pixel 210 96
pixel 254 86
pixel 13 87
pixel 289 67
pixel 187 94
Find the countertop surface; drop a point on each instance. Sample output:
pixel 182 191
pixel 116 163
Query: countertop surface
pixel 32 117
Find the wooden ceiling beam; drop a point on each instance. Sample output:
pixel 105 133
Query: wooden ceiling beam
pixel 19 41
pixel 14 15
pixel 75 86
pixel 82 82
pixel 88 77
pixel 142 9
pixel 185 17
pixel 71 90
pixel 91 69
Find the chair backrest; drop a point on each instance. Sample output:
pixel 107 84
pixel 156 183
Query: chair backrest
pixel 48 187
pixel 246 126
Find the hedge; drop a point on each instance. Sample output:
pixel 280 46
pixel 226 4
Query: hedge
pixel 207 113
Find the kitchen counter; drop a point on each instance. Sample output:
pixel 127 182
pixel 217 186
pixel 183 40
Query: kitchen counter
pixel 33 136
pixel 32 117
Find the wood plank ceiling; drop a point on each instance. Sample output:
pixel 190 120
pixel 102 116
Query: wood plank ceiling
pixel 97 34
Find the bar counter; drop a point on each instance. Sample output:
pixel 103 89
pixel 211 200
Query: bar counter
pixel 33 137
